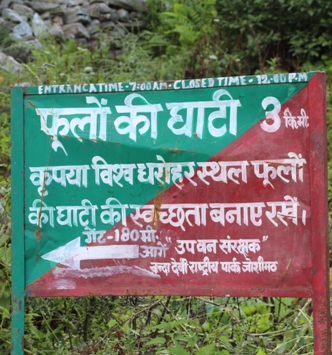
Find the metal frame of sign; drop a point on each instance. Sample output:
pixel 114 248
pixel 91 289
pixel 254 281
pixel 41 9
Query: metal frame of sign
pixel 317 287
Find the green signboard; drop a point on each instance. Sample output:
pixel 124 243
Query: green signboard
pixel 198 187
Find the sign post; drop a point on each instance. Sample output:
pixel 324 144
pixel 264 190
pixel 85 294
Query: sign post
pixel 204 187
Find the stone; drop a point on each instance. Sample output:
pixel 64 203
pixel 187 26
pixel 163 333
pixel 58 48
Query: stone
pixel 25 20
pixel 8 63
pixel 40 6
pixel 59 11
pixel 5 3
pixel 9 3
pixel 93 27
pixel 98 9
pixel 107 25
pixel 22 50
pixel 58 20
pixel 105 17
pixel 22 29
pixel 59 2
pixel 49 4
pixel 135 15
pixel 39 27
pixel 118 32
pixel 121 30
pixel 123 15
pixel 128 4
pixel 114 15
pixel 117 4
pixel 82 3
pixel 56 31
pixel 12 16
pixel 22 10
pixel 77 14
pixel 28 38
pixel 48 23
pixel 75 30
pixel 34 43
pixel 71 3
pixel 45 16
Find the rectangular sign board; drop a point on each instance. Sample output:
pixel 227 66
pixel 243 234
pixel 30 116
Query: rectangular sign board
pixel 212 187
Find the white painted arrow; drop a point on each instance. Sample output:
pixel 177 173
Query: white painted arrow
pixel 72 253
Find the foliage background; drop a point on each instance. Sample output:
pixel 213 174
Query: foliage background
pixel 182 39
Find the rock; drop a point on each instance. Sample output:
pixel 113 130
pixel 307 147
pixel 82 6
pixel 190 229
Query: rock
pixel 5 3
pixel 9 3
pixel 23 10
pixel 38 26
pixel 71 3
pixel 98 10
pixel 22 29
pixel 116 4
pixel 77 14
pixel 105 17
pixel 34 43
pixel 41 7
pixel 53 2
pixel 56 31
pixel 48 23
pixel 45 16
pixel 83 3
pixel 128 4
pixel 75 30
pixel 107 25
pixel 58 20
pixel 114 15
pixel 118 32
pixel 135 15
pixel 22 50
pixel 123 15
pixel 28 38
pixel 8 63
pixel 12 15
pixel 93 27
pixel 59 11
pixel 25 20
